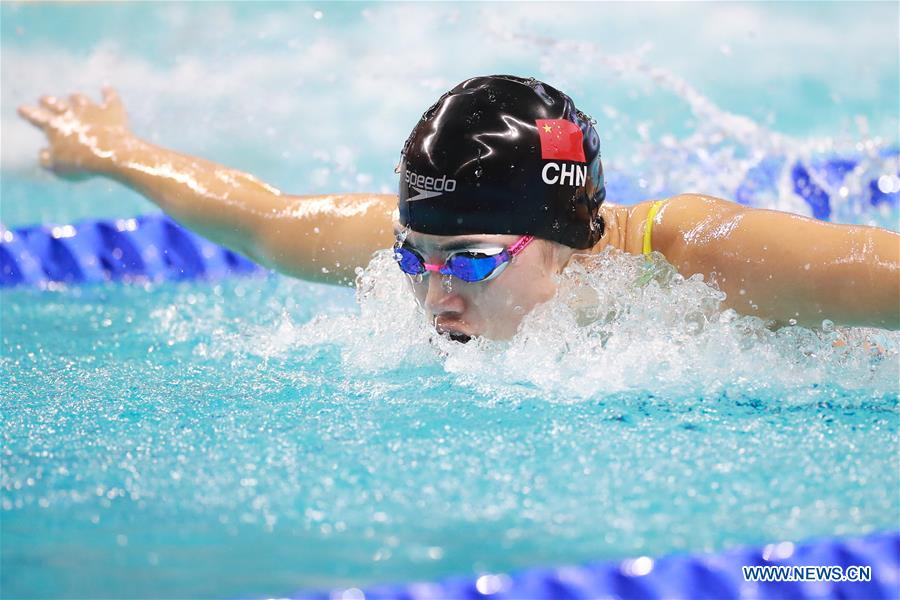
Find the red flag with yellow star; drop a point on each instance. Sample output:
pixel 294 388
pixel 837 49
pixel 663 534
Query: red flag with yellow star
pixel 560 140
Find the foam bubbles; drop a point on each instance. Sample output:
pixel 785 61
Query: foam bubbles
pixel 618 323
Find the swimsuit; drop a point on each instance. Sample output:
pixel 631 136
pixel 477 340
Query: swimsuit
pixel 648 227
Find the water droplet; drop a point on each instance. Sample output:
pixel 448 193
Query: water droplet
pixel 827 325
pixel 447 282
pixel 479 171
pixel 792 321
pixel 518 310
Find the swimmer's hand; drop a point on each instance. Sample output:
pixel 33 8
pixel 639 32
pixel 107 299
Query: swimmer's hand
pixel 84 136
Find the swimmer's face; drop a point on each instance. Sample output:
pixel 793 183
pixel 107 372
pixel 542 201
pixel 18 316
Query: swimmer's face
pixel 494 308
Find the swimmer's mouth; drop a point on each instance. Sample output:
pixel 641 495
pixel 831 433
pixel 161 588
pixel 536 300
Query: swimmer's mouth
pixel 454 334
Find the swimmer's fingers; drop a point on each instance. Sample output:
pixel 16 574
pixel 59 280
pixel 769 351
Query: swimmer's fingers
pixel 111 98
pixel 79 101
pixel 54 104
pixel 113 105
pixel 46 159
pixel 39 117
pixel 82 134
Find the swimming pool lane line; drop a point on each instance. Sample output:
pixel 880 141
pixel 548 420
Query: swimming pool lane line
pixel 149 247
pixel 677 576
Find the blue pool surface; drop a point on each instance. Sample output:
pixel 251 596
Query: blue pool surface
pixel 260 435
pixel 255 436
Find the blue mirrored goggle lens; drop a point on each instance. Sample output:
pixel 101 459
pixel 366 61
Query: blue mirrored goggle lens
pixel 471 268
pixel 468 268
pixel 409 261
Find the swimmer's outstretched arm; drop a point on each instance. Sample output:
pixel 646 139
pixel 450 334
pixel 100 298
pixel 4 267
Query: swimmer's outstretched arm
pixel 785 267
pixel 320 238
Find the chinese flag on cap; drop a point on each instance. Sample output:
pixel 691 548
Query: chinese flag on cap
pixel 560 140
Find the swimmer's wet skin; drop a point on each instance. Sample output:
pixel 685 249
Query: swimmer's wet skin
pixel 494 159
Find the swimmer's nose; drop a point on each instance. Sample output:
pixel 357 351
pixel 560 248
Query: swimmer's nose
pixel 439 301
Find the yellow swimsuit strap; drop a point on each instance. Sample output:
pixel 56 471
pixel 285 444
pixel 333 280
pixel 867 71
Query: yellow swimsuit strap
pixel 648 227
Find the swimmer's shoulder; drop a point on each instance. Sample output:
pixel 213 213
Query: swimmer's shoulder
pixel 678 224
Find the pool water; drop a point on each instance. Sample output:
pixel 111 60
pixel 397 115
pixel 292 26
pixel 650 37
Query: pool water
pixel 252 437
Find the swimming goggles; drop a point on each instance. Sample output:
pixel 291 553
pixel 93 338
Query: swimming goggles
pixel 468 265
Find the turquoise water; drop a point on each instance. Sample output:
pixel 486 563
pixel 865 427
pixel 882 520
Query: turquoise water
pixel 209 441
pixel 254 437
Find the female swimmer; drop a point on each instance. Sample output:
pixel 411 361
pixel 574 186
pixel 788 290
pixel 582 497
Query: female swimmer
pixel 501 185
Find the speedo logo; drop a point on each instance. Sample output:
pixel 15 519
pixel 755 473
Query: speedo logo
pixel 564 174
pixel 428 187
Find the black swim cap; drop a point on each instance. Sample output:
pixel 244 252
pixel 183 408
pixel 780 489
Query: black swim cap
pixel 504 154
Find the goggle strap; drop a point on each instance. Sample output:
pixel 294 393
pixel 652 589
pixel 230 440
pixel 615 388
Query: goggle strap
pixel 520 245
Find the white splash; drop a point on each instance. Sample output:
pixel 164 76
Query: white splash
pixel 617 324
